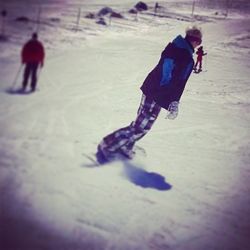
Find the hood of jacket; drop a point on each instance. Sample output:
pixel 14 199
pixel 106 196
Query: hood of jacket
pixel 182 43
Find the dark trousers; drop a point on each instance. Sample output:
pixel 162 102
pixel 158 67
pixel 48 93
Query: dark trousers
pixel 123 140
pixel 30 70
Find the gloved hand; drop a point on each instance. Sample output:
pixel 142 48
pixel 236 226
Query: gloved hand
pixel 172 110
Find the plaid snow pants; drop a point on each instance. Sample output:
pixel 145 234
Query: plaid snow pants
pixel 123 140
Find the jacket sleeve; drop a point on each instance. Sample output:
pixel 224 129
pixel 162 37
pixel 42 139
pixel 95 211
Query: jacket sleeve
pixel 167 71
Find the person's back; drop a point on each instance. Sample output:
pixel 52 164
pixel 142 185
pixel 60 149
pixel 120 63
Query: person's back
pixel 177 62
pixel 200 52
pixel 33 52
pixel 32 56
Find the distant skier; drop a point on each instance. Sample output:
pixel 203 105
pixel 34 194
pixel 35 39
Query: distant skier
pixel 162 88
pixel 200 53
pixel 32 56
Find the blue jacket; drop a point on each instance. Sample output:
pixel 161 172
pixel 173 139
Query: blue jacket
pixel 166 82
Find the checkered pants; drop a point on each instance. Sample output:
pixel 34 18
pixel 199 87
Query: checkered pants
pixel 123 140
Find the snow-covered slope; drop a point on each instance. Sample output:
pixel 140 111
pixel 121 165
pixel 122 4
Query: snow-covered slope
pixel 89 86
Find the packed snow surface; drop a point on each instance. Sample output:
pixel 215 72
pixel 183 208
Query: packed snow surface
pixel 190 190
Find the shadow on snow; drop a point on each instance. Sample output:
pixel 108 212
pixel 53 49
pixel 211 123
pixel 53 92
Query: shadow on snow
pixel 12 91
pixel 145 179
pixel 136 175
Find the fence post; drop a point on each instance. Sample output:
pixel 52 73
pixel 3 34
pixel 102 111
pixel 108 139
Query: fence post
pixel 193 6
pixel 110 17
pixel 227 8
pixel 78 18
pixel 4 14
pixel 38 18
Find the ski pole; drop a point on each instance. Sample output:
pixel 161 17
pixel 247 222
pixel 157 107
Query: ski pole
pixel 206 63
pixel 16 77
pixel 38 74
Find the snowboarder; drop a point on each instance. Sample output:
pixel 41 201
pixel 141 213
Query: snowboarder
pixel 32 56
pixel 162 88
pixel 200 53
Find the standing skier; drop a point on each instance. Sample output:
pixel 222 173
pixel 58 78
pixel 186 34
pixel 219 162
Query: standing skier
pixel 162 88
pixel 200 53
pixel 32 56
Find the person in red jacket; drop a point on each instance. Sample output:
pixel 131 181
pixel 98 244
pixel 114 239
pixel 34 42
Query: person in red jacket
pixel 200 53
pixel 32 56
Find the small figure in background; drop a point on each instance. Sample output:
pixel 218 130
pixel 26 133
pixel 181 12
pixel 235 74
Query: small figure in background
pixel 32 56
pixel 156 7
pixel 200 53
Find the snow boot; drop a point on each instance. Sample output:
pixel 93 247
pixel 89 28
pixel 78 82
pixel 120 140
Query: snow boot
pixel 100 156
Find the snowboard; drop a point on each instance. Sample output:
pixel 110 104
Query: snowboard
pixel 93 162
